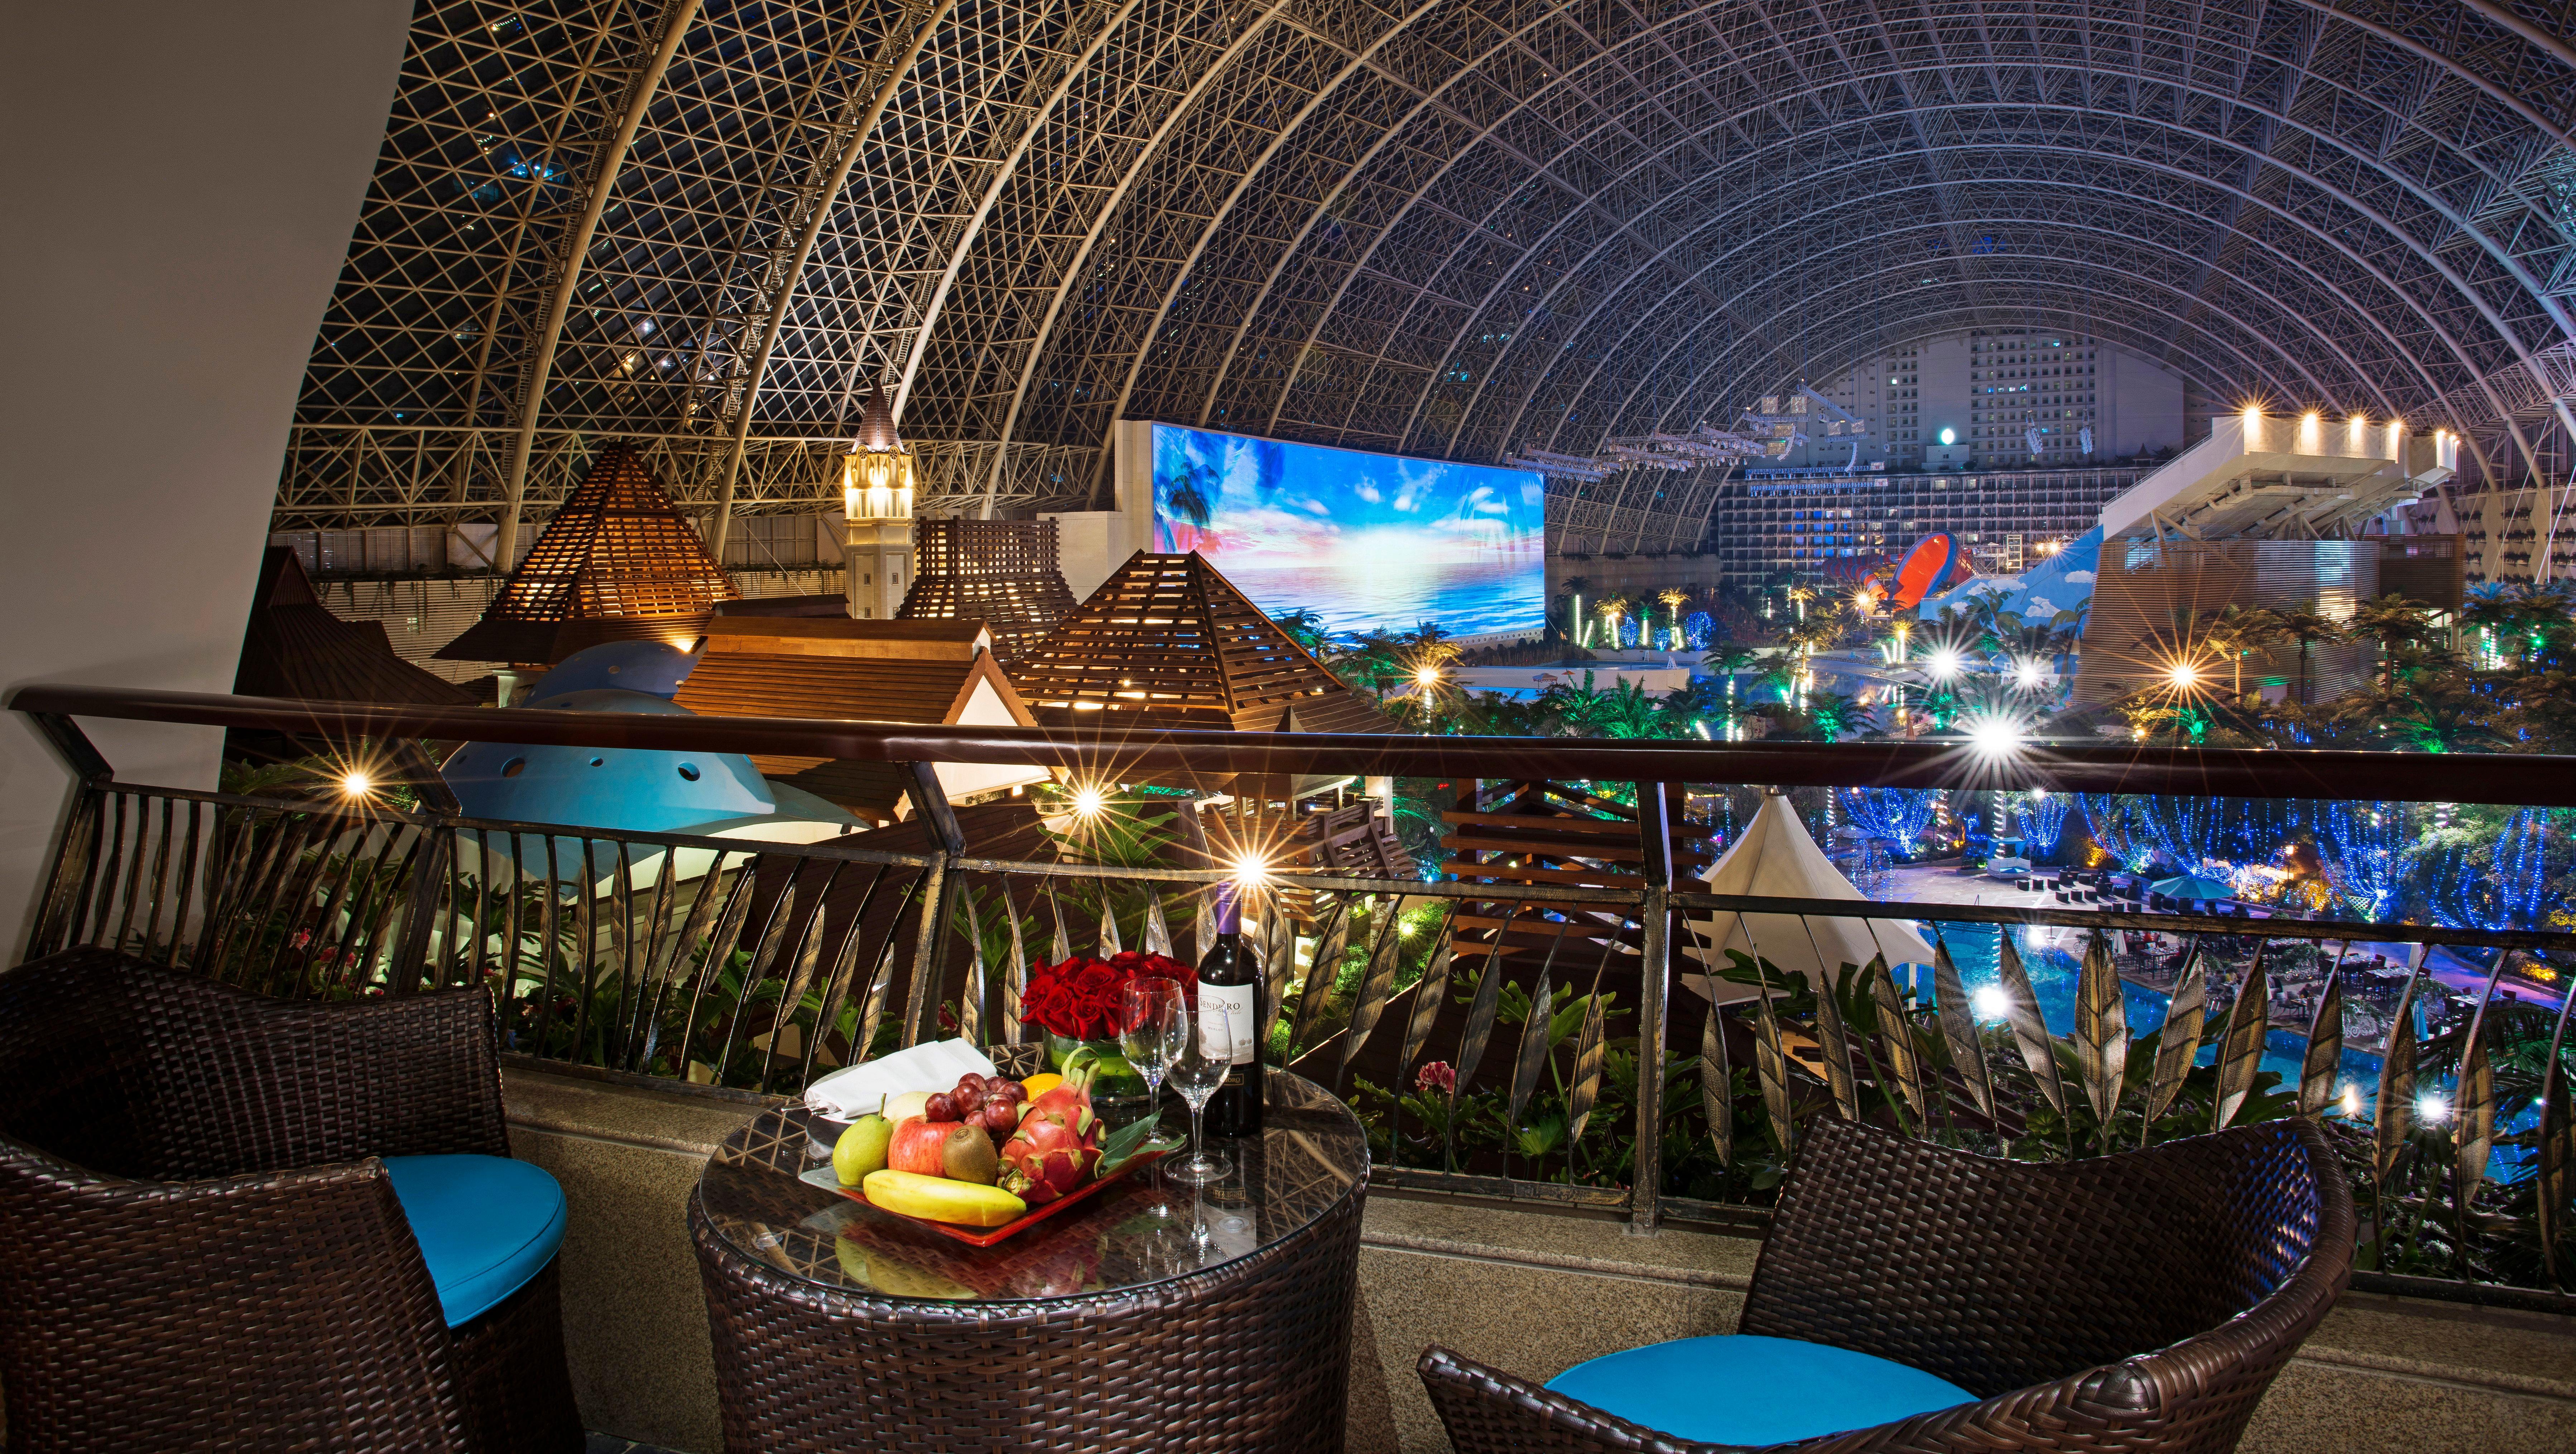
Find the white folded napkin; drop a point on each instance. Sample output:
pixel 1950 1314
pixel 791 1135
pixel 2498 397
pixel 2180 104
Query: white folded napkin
pixel 858 1090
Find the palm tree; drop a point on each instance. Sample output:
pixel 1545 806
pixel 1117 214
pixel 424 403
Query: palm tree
pixel 1674 598
pixel 1612 610
pixel 1306 628
pixel 2237 632
pixel 2305 626
pixel 2395 623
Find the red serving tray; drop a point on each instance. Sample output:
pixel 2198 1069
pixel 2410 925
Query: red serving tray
pixel 823 1176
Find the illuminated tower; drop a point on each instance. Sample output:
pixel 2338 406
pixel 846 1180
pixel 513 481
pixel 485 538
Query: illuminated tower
pixel 876 503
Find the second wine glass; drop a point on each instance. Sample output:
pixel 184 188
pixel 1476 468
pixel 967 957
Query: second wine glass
pixel 1206 1058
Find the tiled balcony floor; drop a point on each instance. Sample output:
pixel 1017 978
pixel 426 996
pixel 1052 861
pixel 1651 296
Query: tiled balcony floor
pixel 611 1444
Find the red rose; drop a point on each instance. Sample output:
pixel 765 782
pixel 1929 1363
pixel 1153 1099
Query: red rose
pixel 1079 998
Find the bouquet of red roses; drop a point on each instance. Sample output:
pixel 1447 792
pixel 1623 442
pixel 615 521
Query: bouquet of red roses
pixel 1078 999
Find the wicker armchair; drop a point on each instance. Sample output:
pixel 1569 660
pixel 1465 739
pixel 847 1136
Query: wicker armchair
pixel 2135 1302
pixel 199 1247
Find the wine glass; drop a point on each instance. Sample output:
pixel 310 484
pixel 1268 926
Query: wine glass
pixel 1153 1020
pixel 1206 1058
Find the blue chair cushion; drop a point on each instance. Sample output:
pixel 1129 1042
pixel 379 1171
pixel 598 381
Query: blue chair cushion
pixel 485 1224
pixel 1748 1390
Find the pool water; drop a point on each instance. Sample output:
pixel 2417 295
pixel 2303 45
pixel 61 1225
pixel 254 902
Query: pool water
pixel 2053 973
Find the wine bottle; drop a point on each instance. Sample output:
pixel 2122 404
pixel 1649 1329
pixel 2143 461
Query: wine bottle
pixel 1227 977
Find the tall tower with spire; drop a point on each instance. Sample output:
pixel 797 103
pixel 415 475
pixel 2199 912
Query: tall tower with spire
pixel 876 504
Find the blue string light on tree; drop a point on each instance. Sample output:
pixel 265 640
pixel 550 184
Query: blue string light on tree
pixel 1898 815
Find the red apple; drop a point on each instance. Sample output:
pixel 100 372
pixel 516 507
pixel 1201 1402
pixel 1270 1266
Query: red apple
pixel 918 1146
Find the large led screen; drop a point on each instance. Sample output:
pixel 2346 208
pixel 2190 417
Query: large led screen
pixel 1362 540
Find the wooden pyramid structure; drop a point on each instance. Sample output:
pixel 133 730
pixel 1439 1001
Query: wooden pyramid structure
pixel 618 558
pixel 1168 642
pixel 1003 573
pixel 295 647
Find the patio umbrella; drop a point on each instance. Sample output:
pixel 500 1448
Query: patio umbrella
pixel 2191 886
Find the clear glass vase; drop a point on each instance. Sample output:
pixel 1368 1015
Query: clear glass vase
pixel 1118 1093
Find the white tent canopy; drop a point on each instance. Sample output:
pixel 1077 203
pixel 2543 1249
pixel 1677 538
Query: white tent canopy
pixel 1776 858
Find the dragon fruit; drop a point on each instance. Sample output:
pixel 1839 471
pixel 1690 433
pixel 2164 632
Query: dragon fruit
pixel 1056 1147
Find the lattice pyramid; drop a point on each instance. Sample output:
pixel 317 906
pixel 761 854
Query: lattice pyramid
pixel 1003 573
pixel 616 548
pixel 1167 641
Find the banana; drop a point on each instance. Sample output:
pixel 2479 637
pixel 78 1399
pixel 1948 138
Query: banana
pixel 942 1200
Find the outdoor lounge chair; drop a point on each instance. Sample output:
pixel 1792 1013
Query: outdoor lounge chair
pixel 228 1221
pixel 2140 1302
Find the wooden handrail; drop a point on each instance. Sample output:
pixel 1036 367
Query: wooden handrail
pixel 2522 780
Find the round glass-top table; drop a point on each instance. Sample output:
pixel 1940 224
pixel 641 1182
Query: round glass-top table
pixel 1151 1315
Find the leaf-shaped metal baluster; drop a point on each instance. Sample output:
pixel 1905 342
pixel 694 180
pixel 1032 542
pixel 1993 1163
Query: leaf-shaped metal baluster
pixel 838 983
pixel 970 998
pixel 2186 1020
pixel 1061 948
pixel 2557 1158
pixel 1535 1044
pixel 881 980
pixel 1770 1062
pixel 1278 961
pixel 2476 1114
pixel 2240 1048
pixel 1314 988
pixel 2101 1031
pixel 1015 974
pixel 1533 1047
pixel 654 964
pixel 1482 1010
pixel 1588 1055
pixel 2324 1057
pixel 1959 1028
pixel 2393 1112
pixel 1835 1047
pixel 1428 994
pixel 2021 1010
pixel 187 888
pixel 806 966
pixel 1110 944
pixel 1896 1032
pixel 1158 930
pixel 700 949
pixel 1378 983
pixel 1717 1088
pixel 764 958
pixel 160 878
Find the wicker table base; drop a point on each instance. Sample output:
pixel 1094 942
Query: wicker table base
pixel 1163 1337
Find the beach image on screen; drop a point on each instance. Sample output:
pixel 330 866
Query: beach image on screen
pixel 1363 540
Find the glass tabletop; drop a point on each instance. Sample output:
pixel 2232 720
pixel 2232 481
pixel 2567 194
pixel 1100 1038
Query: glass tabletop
pixel 1144 1229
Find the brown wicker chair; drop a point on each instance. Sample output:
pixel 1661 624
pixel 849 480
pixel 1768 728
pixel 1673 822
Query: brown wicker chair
pixel 199 1248
pixel 2135 1302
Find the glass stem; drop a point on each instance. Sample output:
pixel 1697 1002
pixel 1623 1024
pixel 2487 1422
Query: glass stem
pixel 1198 1141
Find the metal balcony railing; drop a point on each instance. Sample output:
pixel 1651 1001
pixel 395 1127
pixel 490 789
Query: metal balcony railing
pixel 1604 1034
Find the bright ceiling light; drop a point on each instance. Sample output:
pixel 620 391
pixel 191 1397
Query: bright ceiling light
pixel 1989 1002
pixel 1949 436
pixel 1943 663
pixel 1088 802
pixel 356 783
pixel 2183 674
pixel 1428 676
pixel 2029 674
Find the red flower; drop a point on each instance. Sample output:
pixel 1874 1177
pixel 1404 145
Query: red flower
pixel 1078 998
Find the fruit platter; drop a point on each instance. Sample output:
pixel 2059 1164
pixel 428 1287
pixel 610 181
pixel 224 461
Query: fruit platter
pixel 989 1157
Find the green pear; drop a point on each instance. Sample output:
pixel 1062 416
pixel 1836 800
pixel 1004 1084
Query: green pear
pixel 861 1149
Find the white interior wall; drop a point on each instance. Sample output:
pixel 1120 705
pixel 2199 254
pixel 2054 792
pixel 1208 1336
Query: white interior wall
pixel 183 179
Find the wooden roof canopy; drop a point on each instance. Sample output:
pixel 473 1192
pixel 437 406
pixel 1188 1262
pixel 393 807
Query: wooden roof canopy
pixel 873 671
pixel 1167 641
pixel 295 647
pixel 1005 573
pixel 618 557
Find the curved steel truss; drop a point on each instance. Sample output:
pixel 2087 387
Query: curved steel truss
pixel 1447 227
